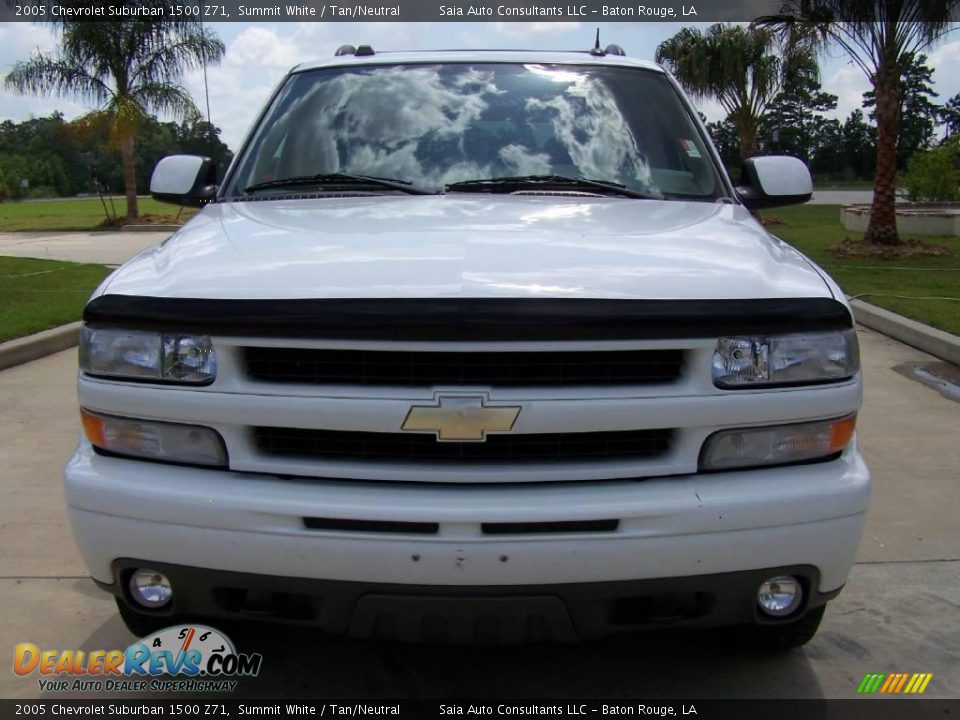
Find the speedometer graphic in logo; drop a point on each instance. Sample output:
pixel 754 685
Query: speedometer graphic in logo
pixel 191 637
pixel 189 650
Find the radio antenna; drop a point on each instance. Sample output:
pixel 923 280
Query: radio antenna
pixel 206 92
pixel 596 50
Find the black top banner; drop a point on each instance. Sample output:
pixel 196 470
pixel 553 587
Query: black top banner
pixel 590 11
pixel 219 709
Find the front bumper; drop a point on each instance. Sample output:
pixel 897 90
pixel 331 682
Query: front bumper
pixel 677 528
pixel 470 614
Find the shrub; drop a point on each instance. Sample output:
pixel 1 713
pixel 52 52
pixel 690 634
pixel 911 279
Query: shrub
pixel 933 174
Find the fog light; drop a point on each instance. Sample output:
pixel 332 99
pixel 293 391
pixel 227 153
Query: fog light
pixel 780 596
pixel 150 588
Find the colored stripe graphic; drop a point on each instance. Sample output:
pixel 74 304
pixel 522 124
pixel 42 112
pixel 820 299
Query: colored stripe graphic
pixel 890 682
pixel 870 683
pixel 894 683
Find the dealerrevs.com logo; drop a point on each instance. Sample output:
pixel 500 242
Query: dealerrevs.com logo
pixel 182 658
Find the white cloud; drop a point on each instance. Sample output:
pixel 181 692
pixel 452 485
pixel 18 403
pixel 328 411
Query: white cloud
pixel 849 84
pixel 18 41
pixel 711 108
pixel 534 29
pixel 945 61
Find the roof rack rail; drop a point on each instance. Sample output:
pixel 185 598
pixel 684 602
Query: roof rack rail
pixel 358 51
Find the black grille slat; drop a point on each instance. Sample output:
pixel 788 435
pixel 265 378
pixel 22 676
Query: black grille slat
pixel 424 448
pixel 500 369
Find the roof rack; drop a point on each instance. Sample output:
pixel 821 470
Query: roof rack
pixel 358 51
pixel 367 50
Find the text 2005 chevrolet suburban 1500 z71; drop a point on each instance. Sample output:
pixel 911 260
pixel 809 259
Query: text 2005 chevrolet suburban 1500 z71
pixel 472 346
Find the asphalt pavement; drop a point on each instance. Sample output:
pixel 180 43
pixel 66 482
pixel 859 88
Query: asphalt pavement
pixel 898 613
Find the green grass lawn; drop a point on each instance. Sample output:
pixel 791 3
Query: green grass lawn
pixel 37 295
pixel 814 228
pixel 83 214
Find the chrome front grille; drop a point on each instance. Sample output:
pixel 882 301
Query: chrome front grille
pixel 423 448
pixel 456 367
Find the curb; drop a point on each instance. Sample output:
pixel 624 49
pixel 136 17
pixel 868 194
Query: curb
pixel 150 228
pixel 32 347
pixel 938 343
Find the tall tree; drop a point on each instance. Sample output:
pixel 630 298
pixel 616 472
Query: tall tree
pixel 127 69
pixel 791 121
pixel 725 137
pixel 859 141
pixel 826 149
pixel 918 112
pixel 880 37
pixel 741 68
pixel 949 117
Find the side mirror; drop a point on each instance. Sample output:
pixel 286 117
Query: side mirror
pixel 774 180
pixel 184 180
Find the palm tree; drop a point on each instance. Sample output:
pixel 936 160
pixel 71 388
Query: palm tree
pixel 127 69
pixel 742 68
pixel 880 37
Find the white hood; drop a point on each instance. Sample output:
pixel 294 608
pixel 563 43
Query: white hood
pixel 462 245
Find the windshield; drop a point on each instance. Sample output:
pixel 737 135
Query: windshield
pixel 435 125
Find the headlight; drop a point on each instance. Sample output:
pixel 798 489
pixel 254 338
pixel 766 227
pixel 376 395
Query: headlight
pixel 148 356
pixel 785 359
pixel 168 442
pixel 777 444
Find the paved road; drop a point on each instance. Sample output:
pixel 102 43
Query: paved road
pixel 898 613
pixel 841 197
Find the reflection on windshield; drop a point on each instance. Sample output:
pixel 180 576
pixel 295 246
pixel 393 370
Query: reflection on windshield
pixel 433 125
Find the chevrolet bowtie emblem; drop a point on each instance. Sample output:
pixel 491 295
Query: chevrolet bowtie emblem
pixel 460 418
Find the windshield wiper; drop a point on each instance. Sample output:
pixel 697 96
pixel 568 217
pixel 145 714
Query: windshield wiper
pixel 341 179
pixel 521 182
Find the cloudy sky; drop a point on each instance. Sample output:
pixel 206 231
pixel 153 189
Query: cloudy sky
pixel 258 55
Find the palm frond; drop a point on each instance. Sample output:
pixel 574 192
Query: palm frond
pixel 167 61
pixel 166 99
pixel 46 75
pixel 868 31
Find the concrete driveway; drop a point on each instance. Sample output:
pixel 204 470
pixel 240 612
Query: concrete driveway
pixel 103 248
pixel 899 612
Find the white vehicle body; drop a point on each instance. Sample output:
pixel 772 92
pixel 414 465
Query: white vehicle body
pixel 425 528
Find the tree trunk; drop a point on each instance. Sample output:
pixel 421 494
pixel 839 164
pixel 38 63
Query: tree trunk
pixel 129 177
pixel 748 138
pixel 882 228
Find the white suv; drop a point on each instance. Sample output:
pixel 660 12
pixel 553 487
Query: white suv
pixel 472 347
